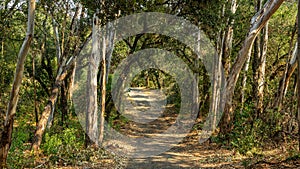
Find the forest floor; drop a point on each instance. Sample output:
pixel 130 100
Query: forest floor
pixel 189 153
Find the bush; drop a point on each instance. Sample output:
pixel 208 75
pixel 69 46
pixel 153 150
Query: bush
pixel 52 144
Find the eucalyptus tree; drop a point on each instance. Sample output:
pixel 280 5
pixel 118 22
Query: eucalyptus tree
pixel 6 135
pixel 258 21
pixel 298 79
pixel 68 46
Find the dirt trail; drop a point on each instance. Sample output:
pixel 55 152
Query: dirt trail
pixel 151 115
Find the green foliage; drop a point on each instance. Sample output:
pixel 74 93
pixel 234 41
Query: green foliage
pixel 66 146
pixel 20 159
pixel 52 144
pixel 66 139
pixel 244 136
pixel 18 156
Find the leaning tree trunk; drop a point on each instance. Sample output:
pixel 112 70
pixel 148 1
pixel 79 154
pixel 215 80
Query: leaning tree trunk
pixel 42 124
pixel 6 136
pixel 257 23
pixel 62 72
pixel 292 65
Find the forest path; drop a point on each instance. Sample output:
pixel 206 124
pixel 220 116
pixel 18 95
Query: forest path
pixel 150 116
pixel 149 120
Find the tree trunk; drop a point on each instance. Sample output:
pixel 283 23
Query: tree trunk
pixel 48 109
pixel 92 106
pixel 262 71
pixel 298 79
pixel 227 43
pixel 36 112
pixel 106 54
pixel 64 101
pixel 290 67
pixel 257 23
pixel 103 91
pixel 216 88
pixel 259 65
pixel 6 137
pixel 244 82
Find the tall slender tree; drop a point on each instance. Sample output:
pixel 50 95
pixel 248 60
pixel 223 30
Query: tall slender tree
pixel 92 105
pixel 258 21
pixel 259 65
pixel 298 79
pixel 65 63
pixel 6 137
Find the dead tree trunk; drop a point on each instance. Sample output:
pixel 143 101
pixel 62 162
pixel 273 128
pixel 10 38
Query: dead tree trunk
pixel 257 23
pixel 6 136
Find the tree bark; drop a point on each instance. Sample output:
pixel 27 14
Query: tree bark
pixel 244 82
pixel 290 67
pixel 6 136
pixel 298 79
pixel 262 71
pixel 92 106
pixel 258 21
pixel 259 66
pixel 95 122
pixel 64 101
pixel 36 112
pixel 49 108
pixel 227 43
pixel 103 91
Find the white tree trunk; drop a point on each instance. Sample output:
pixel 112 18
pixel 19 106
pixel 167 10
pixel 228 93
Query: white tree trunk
pixel 257 23
pixel 244 82
pixel 14 95
pixel 92 106
pixel 227 43
pixel 262 70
